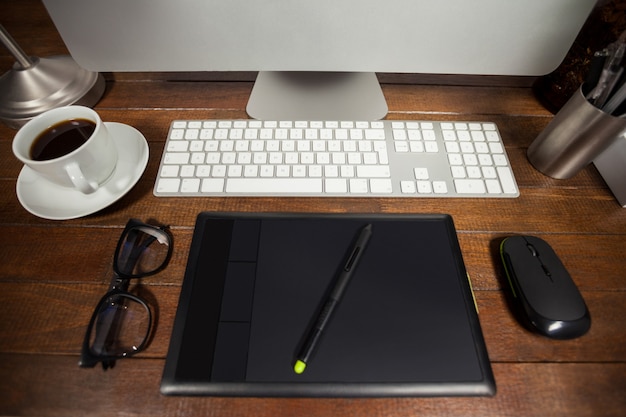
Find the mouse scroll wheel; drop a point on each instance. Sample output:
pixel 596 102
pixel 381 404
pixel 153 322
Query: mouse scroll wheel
pixel 532 249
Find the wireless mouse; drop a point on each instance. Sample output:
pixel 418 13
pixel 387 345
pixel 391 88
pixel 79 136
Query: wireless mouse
pixel 548 298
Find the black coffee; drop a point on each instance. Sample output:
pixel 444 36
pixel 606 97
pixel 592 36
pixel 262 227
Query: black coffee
pixel 61 139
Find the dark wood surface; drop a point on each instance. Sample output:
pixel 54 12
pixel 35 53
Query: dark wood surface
pixel 53 272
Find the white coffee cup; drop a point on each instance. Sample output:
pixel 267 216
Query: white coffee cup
pixel 85 168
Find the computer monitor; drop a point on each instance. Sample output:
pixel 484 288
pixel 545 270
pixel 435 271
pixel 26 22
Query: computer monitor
pixel 318 59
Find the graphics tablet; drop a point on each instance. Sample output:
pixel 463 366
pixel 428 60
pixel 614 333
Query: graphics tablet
pixel 406 324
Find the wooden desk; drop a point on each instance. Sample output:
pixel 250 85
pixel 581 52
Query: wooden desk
pixel 53 272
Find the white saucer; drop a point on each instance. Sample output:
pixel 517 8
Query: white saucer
pixel 51 201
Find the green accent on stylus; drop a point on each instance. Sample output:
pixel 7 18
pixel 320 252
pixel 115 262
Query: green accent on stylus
pixel 299 367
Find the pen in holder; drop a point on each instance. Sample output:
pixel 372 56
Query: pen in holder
pixel 576 136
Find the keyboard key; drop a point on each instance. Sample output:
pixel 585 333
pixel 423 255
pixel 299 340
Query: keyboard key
pixel 421 173
pixel 274 186
pixel 489 172
pixel 373 171
pixel 177 134
pixel 190 185
pixel 440 187
pixel 496 148
pixel 474 172
pixel 212 185
pixel 408 187
pixel 178 146
pixel 493 186
pixel 375 134
pixel 176 158
pixel 358 186
pixel 168 185
pixel 499 160
pixel 169 171
pixel 431 147
pixel 336 185
pixel 187 171
pixel 506 179
pixel 424 187
pixel 470 186
pixel 458 171
pixel 381 186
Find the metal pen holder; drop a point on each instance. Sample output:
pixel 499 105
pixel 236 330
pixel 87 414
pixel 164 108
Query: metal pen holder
pixel 576 136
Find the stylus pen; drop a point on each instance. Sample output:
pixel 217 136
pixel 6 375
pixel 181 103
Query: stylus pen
pixel 350 264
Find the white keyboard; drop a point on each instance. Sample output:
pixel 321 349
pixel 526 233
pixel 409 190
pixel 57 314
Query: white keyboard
pixel 346 159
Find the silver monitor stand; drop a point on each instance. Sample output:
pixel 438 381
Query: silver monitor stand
pixel 329 96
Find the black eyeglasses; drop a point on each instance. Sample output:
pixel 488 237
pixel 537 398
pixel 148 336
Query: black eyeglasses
pixel 121 323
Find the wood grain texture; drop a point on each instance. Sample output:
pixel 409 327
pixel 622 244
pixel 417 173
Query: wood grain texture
pixel 52 273
pixel 531 390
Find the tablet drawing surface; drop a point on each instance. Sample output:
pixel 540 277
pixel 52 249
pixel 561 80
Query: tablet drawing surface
pixel 405 325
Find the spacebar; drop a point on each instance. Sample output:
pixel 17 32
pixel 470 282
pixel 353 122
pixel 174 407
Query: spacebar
pixel 274 185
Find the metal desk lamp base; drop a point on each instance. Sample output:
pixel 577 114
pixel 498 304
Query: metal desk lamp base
pixel 35 85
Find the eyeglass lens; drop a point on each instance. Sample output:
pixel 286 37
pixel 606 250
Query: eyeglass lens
pixel 121 326
pixel 142 251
